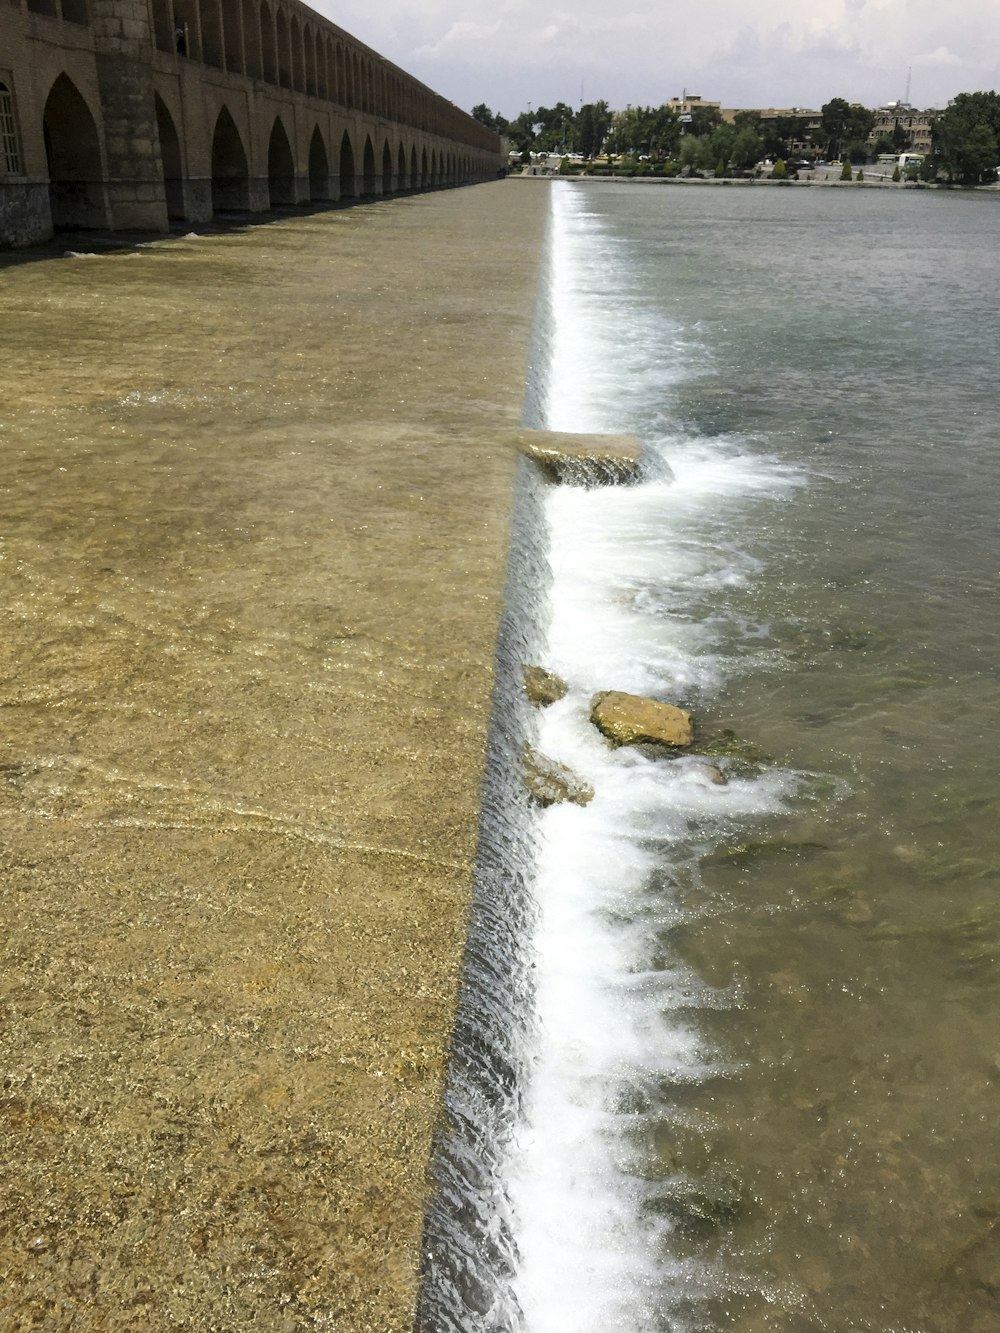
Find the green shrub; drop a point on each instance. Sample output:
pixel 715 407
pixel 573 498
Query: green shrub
pixel 779 171
pixel 895 173
pixel 846 173
pixel 861 174
pixel 720 168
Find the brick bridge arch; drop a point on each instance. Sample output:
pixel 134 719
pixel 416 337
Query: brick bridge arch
pixel 130 112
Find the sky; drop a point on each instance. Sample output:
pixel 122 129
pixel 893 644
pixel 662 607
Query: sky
pixel 753 53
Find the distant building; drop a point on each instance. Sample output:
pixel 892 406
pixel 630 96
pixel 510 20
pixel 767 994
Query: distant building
pixel 688 103
pixel 917 124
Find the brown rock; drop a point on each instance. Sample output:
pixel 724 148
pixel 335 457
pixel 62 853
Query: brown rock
pixel 584 460
pixel 543 687
pixel 631 719
pixel 551 783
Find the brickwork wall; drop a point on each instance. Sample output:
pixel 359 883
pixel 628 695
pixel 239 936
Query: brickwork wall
pixel 134 167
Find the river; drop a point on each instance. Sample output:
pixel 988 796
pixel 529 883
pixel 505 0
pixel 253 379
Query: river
pixel 758 1051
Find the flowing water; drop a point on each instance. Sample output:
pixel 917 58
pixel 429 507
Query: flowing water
pixel 752 1055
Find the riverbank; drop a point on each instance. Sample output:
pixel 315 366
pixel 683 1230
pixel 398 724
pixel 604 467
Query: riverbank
pixel 256 518
pixel 828 179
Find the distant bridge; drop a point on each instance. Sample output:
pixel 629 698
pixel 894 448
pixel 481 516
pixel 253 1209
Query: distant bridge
pixel 125 114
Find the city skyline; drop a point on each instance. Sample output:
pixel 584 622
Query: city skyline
pixel 513 53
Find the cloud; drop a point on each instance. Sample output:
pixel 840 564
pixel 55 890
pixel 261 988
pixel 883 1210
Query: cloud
pixel 461 36
pixel 942 56
pixel 739 52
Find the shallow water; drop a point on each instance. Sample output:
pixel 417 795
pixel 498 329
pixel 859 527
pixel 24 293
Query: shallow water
pixel 242 720
pixel 764 1082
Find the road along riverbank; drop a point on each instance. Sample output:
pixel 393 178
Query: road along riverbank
pixel 257 488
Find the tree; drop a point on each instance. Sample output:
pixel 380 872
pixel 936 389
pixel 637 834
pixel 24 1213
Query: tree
pixel 901 138
pixel 748 148
pixel 704 119
pixel 555 128
pixel 780 133
pixel 843 122
pixel 977 160
pixel 835 116
pixel 779 171
pixel 896 174
pixel 690 153
pixel 521 131
pixel 648 130
pixel 846 173
pixel 491 120
pixel 858 150
pixel 592 124
pixel 965 138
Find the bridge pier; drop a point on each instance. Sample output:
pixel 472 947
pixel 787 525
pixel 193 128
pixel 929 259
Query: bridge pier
pixel 136 193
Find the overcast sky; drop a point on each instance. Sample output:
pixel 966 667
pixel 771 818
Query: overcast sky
pixel 509 53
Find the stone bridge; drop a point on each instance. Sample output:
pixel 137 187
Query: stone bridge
pixel 126 114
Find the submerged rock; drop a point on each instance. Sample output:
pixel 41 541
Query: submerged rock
pixel 543 687
pixel 631 719
pixel 550 782
pixel 726 744
pixel 584 460
pixel 712 772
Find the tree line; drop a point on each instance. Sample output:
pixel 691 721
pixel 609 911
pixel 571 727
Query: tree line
pixel 965 137
pixel 699 140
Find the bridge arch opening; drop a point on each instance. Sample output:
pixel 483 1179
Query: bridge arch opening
pixel 170 155
pixel 164 27
pixel 319 167
pixel 401 181
pixel 76 179
pixel 348 176
pixel 231 39
pixel 329 71
pixel 211 34
pixel 251 39
pixel 423 169
pixel 310 40
pixel 268 45
pixel 295 43
pixel 368 170
pixel 284 52
pixel 184 29
pixel 339 89
pixel 230 171
pixel 280 166
pixel 386 168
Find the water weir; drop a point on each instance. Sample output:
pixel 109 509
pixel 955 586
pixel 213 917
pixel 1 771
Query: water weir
pixel 559 1193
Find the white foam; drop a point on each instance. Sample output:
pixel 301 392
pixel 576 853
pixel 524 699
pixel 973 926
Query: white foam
pixel 629 564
